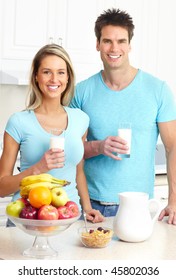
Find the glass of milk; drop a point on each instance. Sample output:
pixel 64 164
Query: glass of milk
pixel 58 141
pixel 125 132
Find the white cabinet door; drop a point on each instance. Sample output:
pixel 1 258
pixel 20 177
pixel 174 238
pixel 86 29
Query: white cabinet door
pixel 25 27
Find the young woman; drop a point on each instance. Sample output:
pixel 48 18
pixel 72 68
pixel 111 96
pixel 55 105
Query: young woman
pixel 50 91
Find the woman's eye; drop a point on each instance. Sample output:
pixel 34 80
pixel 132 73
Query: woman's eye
pixel 61 73
pixel 47 72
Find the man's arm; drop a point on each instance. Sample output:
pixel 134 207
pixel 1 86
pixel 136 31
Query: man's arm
pixel 91 149
pixel 168 136
pixel 111 146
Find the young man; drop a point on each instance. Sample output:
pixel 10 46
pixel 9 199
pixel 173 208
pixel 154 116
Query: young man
pixel 122 93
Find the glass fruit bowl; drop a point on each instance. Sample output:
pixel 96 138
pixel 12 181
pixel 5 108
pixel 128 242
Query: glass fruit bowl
pixel 42 229
pixel 95 237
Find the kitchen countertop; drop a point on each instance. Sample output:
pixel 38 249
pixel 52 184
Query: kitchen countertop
pixel 160 246
pixel 161 180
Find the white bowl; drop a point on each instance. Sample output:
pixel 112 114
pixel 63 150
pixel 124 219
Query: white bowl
pixel 93 238
pixel 43 227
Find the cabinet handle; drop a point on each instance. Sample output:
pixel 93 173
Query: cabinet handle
pixel 60 41
pixel 51 40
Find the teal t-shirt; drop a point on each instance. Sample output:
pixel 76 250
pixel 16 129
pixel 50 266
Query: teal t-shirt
pixel 144 102
pixel 34 142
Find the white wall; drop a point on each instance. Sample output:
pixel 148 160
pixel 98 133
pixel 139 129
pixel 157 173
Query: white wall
pixel 12 99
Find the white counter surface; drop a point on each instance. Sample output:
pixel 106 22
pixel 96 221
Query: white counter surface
pixel 160 246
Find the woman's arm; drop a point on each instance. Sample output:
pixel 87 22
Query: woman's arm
pixel 92 214
pixel 9 183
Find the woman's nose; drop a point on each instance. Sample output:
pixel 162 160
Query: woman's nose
pixel 54 77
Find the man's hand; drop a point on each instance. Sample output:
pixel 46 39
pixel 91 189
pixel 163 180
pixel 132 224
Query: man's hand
pixel 169 211
pixel 112 146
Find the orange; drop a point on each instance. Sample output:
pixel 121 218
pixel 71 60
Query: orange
pixel 40 196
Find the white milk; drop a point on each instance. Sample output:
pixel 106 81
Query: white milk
pixel 57 142
pixel 125 133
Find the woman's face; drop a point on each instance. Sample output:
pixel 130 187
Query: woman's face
pixel 52 76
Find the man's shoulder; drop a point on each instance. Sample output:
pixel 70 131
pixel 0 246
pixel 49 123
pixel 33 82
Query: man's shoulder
pixel 88 80
pixel 150 76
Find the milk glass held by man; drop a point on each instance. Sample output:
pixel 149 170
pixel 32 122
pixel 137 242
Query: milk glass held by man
pixel 47 113
pixel 122 93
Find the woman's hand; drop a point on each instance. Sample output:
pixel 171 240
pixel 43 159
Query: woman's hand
pixel 53 158
pixel 94 216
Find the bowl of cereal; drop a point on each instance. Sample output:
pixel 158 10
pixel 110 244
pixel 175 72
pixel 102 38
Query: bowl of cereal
pixel 95 237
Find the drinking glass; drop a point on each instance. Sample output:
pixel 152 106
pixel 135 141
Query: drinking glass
pixel 125 132
pixel 58 141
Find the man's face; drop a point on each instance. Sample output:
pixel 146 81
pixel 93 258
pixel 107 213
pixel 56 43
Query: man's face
pixel 114 46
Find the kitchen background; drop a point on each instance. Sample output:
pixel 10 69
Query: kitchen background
pixel 26 25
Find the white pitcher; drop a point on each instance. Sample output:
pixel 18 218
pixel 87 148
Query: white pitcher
pixel 133 221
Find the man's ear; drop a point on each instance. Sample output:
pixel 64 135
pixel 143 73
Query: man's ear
pixel 98 46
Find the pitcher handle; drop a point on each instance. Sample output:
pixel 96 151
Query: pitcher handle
pixel 158 204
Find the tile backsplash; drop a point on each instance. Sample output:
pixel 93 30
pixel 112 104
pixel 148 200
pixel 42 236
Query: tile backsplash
pixel 12 99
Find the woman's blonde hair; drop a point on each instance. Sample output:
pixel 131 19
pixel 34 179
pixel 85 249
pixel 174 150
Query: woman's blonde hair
pixel 34 98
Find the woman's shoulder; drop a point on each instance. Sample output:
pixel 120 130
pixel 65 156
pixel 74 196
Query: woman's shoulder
pixel 22 113
pixel 20 116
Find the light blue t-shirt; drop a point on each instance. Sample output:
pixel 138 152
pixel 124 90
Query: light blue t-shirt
pixel 34 142
pixel 144 102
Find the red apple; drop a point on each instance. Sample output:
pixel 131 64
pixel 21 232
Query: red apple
pixel 64 212
pixel 29 212
pixel 73 208
pixel 48 212
pixel 24 200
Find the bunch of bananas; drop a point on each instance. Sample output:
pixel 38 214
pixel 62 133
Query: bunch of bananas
pixel 41 180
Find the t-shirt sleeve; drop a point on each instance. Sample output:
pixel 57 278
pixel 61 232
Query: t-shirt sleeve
pixel 84 122
pixel 167 106
pixel 13 128
pixel 76 102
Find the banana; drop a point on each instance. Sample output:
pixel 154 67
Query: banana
pixel 45 177
pixel 24 190
pixel 41 180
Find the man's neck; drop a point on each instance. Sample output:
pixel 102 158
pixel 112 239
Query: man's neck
pixel 118 79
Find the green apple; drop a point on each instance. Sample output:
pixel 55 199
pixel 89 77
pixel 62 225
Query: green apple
pixel 14 208
pixel 59 197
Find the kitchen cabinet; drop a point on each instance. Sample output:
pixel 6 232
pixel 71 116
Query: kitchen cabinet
pixel 30 24
pixel 161 194
pixel 26 25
